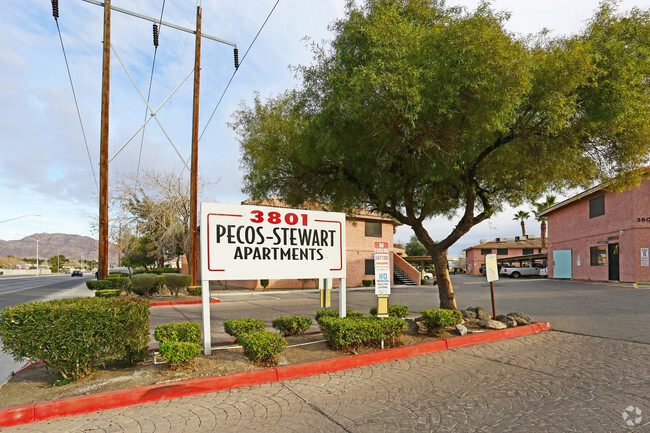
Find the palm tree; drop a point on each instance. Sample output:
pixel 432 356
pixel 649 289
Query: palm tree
pixel 550 201
pixel 522 216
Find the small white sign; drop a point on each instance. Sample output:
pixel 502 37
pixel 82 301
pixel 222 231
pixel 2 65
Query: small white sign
pixel 249 242
pixel 645 256
pixel 491 268
pixel 382 268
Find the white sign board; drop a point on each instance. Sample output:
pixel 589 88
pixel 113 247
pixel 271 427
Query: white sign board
pixel 491 268
pixel 645 256
pixel 382 268
pixel 249 242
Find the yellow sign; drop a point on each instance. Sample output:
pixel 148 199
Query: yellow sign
pixel 382 306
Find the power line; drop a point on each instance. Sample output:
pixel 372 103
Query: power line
pixel 55 13
pixel 236 69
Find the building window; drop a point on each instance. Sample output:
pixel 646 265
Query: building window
pixel 598 255
pixel 597 206
pixel 485 251
pixel 528 251
pixel 502 251
pixel 370 267
pixel 373 229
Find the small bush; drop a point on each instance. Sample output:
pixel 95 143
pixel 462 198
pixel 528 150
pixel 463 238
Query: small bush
pixel 99 284
pixel 179 353
pixel 437 318
pixel 295 325
pixel 366 283
pixel 350 333
pixel 73 336
pixel 176 282
pixel 399 311
pixel 121 283
pixel 145 284
pixel 185 331
pixel 262 347
pixel 238 327
pixel 334 313
pixel 264 284
pixel 108 293
pixel 194 290
pixel 118 274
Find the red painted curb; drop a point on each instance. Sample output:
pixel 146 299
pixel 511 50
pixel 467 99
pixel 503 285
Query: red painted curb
pixel 198 301
pixel 126 397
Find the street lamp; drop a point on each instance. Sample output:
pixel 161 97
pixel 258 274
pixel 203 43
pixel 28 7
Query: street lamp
pixel 22 216
pixel 38 273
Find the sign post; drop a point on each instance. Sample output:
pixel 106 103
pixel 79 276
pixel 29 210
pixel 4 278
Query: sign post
pixel 251 242
pixel 382 277
pixel 492 274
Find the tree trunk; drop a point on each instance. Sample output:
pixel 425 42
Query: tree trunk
pixel 543 228
pixel 523 228
pixel 445 290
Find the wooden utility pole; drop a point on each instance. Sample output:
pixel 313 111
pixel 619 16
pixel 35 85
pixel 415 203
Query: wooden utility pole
pixel 195 148
pixel 103 147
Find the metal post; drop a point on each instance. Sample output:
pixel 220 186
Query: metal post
pixel 205 306
pixel 494 312
pixel 195 147
pixel 102 270
pixel 38 272
pixel 342 298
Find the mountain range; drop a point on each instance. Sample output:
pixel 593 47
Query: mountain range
pixel 50 244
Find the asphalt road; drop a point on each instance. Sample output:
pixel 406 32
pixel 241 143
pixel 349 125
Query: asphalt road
pixel 29 288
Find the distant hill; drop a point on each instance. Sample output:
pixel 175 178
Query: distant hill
pixel 51 244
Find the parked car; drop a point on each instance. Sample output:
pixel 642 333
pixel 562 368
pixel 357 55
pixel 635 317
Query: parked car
pixel 533 269
pixel 77 273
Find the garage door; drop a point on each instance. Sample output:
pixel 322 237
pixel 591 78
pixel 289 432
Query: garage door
pixel 562 267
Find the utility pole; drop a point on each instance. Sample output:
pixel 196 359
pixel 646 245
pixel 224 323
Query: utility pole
pixel 102 270
pixel 195 147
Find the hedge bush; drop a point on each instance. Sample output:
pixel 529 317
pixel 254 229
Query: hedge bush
pixel 262 347
pixel 239 327
pixel 179 353
pixel 294 325
pixel 334 313
pixel 366 283
pixel 185 331
pixel 108 293
pixel 176 282
pixel 194 290
pixel 146 284
pixel 351 332
pixel 400 311
pixel 73 336
pixel 99 284
pixel 435 319
pixel 121 283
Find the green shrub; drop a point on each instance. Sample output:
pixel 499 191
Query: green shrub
pixel 334 313
pixel 264 284
pixel 145 284
pixel 238 327
pixel 73 336
pixel 366 283
pixel 160 271
pixel 399 311
pixel 437 318
pixel 295 325
pixel 194 290
pixel 118 274
pixel 262 347
pixel 99 284
pixel 179 352
pixel 108 293
pixel 351 332
pixel 176 282
pixel 121 283
pixel 184 331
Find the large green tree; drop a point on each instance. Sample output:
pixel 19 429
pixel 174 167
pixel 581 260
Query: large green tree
pixel 420 110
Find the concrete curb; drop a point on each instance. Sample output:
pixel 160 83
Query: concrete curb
pixel 42 411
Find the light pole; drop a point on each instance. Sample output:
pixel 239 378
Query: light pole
pixel 38 273
pixel 22 216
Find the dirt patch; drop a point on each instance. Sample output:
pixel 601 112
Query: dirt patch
pixel 35 384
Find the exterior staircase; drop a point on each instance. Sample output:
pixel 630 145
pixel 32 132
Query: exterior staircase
pixel 400 277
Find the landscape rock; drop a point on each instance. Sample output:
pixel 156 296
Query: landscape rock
pixel 462 329
pixel 412 327
pixel 508 320
pixel 491 324
pixel 480 312
pixel 521 318
pixel 468 314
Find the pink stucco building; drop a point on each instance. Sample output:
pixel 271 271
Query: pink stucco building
pixel 601 235
pixel 503 248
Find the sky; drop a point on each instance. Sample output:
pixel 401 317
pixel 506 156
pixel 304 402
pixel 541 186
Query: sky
pixel 48 175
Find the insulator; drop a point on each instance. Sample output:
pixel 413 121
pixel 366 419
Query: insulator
pixel 55 9
pixel 236 53
pixel 155 35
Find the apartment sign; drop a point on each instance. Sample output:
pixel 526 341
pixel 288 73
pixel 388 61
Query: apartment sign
pixel 249 242
pixel 645 256
pixel 382 268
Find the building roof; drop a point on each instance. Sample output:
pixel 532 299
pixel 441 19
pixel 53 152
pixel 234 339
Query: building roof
pixel 516 242
pixel 573 199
